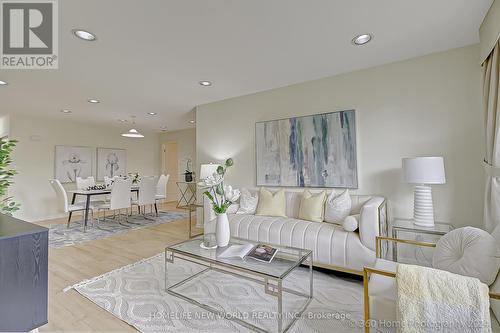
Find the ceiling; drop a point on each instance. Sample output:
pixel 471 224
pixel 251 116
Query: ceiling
pixel 150 55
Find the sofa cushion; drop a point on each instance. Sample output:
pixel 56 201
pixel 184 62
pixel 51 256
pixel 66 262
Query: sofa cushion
pixel 338 207
pixel 271 204
pixel 330 243
pixel 312 206
pixel 468 251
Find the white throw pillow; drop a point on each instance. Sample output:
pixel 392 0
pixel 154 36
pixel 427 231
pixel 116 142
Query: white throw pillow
pixel 233 209
pixel 351 223
pixel 338 207
pixel 248 203
pixel 468 251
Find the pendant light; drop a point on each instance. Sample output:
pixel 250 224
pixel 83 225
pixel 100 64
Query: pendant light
pixel 133 133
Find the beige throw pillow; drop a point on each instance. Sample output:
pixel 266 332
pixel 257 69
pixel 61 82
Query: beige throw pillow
pixel 312 206
pixel 271 204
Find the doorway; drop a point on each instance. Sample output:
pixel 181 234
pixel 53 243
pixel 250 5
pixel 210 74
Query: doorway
pixel 170 166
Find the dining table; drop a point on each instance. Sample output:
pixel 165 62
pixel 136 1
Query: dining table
pixel 88 195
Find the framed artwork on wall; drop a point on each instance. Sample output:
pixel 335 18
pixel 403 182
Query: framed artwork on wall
pixel 111 162
pixel 309 151
pixel 71 162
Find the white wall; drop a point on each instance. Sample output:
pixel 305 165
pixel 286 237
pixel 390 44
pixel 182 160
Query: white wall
pixel 34 157
pixel 429 105
pixel 186 149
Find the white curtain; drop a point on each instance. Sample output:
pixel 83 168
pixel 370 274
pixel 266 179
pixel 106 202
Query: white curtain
pixel 491 106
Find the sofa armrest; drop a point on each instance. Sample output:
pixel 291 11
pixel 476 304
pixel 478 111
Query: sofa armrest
pixel 373 221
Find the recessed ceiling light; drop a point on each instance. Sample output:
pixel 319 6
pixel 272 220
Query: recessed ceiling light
pixel 152 113
pixel 85 35
pixel 362 39
pixel 93 101
pixel 122 120
pixel 205 83
pixel 66 111
pixel 192 121
pixel 3 83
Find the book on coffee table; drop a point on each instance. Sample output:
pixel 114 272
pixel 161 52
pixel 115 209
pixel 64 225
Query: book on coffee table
pixel 263 253
pixel 260 252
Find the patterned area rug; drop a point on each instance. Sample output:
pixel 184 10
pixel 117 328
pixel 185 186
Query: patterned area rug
pixel 60 235
pixel 136 295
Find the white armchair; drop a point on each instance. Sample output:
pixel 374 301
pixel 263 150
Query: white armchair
pixel 457 253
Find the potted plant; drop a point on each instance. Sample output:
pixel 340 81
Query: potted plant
pixel 7 205
pixel 221 197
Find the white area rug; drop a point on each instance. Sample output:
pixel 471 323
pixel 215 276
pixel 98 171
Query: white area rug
pixel 136 295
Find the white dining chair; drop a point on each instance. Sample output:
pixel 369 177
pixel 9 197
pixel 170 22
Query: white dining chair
pixel 63 202
pixel 161 190
pixel 119 198
pixel 147 194
pixel 84 183
pixel 108 181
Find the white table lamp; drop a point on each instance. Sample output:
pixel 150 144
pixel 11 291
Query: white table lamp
pixel 423 171
pixel 207 170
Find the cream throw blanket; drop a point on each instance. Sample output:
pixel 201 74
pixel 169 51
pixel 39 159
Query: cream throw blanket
pixel 432 300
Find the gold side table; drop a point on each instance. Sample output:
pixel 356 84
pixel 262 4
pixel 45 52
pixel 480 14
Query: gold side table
pixel 407 225
pixel 188 194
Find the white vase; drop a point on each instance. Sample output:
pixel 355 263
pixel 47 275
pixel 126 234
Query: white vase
pixel 222 233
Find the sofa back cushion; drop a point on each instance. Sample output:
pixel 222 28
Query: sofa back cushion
pixel 312 206
pixel 271 204
pixel 293 204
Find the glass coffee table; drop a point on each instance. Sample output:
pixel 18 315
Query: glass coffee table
pixel 271 276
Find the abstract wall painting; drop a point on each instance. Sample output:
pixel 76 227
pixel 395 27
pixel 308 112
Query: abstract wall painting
pixel 310 151
pixel 71 162
pixel 111 162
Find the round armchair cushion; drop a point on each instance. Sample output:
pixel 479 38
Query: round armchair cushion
pixel 468 251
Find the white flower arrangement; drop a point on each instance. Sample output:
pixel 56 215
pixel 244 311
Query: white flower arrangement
pixel 220 196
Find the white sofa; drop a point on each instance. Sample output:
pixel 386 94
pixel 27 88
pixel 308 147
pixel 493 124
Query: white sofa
pixel 332 246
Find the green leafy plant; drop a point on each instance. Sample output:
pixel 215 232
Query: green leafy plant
pixel 219 195
pixel 7 205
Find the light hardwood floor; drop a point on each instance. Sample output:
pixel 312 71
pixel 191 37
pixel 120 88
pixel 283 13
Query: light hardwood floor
pixel 68 265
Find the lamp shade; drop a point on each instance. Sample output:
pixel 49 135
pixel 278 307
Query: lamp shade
pixel 424 170
pixel 208 170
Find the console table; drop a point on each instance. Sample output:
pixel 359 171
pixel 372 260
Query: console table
pixel 23 275
pixel 188 194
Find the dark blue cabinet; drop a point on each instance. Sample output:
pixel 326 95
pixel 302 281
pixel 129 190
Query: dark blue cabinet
pixel 23 275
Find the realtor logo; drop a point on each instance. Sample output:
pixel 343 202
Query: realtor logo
pixel 28 34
